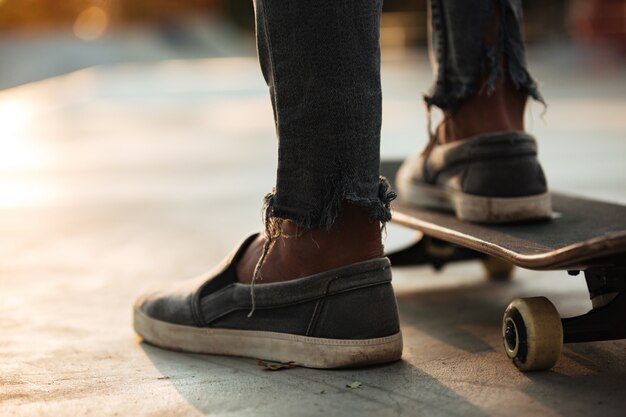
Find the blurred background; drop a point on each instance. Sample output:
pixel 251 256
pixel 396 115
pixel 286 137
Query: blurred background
pixel 41 38
pixel 131 86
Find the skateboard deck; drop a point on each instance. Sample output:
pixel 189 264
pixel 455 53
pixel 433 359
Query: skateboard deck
pixel 581 233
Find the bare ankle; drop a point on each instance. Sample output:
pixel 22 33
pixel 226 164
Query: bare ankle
pixel 500 111
pixel 301 252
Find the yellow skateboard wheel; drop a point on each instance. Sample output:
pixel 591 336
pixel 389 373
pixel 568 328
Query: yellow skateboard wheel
pixel 532 333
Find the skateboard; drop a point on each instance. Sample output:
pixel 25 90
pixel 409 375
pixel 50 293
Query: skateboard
pixel 583 236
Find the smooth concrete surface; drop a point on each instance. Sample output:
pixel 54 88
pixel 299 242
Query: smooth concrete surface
pixel 120 178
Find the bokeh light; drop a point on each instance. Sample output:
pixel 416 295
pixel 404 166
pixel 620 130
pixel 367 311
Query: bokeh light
pixel 91 23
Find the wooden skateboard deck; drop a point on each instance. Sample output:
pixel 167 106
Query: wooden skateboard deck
pixel 582 232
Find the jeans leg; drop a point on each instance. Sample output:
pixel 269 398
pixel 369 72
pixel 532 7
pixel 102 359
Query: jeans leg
pixel 321 61
pixel 463 64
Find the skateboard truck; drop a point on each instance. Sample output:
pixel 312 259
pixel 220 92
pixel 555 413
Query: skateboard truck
pixel 437 253
pixel 607 319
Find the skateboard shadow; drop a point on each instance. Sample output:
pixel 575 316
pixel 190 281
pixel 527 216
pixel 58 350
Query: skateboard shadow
pixel 214 384
pixel 448 314
pixel 589 375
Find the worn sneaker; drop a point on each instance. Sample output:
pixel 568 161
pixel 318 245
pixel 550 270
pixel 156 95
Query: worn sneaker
pixel 344 317
pixel 491 178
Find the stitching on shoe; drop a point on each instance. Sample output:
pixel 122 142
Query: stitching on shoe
pixel 274 306
pixel 322 300
pixel 314 316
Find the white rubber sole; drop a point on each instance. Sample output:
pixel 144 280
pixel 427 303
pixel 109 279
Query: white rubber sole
pixel 311 352
pixel 475 208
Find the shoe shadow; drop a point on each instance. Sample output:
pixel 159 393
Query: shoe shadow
pixel 218 384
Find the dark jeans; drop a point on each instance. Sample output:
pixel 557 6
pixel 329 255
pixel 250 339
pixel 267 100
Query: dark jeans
pixel 321 61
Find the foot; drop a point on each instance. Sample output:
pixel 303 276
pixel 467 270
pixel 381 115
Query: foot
pixel 480 164
pixel 324 320
pixel 482 113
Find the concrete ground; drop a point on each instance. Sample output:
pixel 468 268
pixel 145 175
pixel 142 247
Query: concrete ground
pixel 118 178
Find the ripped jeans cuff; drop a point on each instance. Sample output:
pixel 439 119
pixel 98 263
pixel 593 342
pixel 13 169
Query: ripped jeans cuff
pixel 326 218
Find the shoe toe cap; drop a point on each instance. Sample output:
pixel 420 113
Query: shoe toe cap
pixel 171 307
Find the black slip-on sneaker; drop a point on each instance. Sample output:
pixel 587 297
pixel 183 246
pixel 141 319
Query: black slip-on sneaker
pixel 491 178
pixel 344 317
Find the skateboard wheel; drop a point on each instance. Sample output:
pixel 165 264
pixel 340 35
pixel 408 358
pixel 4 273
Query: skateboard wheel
pixel 498 269
pixel 532 333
